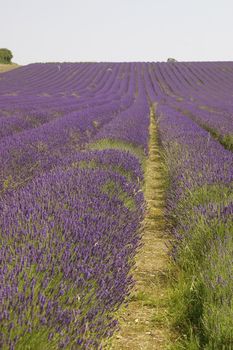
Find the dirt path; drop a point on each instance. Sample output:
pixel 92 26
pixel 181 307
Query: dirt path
pixel 143 323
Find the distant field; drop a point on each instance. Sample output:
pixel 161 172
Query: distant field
pixel 96 159
pixel 7 67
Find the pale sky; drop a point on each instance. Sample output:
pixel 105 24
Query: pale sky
pixel 117 30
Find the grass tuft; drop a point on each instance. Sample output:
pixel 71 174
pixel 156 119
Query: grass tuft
pixel 137 151
pixel 202 298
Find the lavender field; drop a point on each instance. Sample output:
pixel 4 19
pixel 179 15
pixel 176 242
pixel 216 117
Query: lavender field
pixel 74 139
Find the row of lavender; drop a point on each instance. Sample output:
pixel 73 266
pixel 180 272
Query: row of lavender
pixel 59 131
pixel 69 216
pixel 203 91
pixel 67 243
pixel 57 89
pixel 199 201
pixel 31 106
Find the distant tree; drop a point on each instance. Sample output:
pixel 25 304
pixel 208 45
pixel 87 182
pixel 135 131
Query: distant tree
pixel 171 60
pixel 5 56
